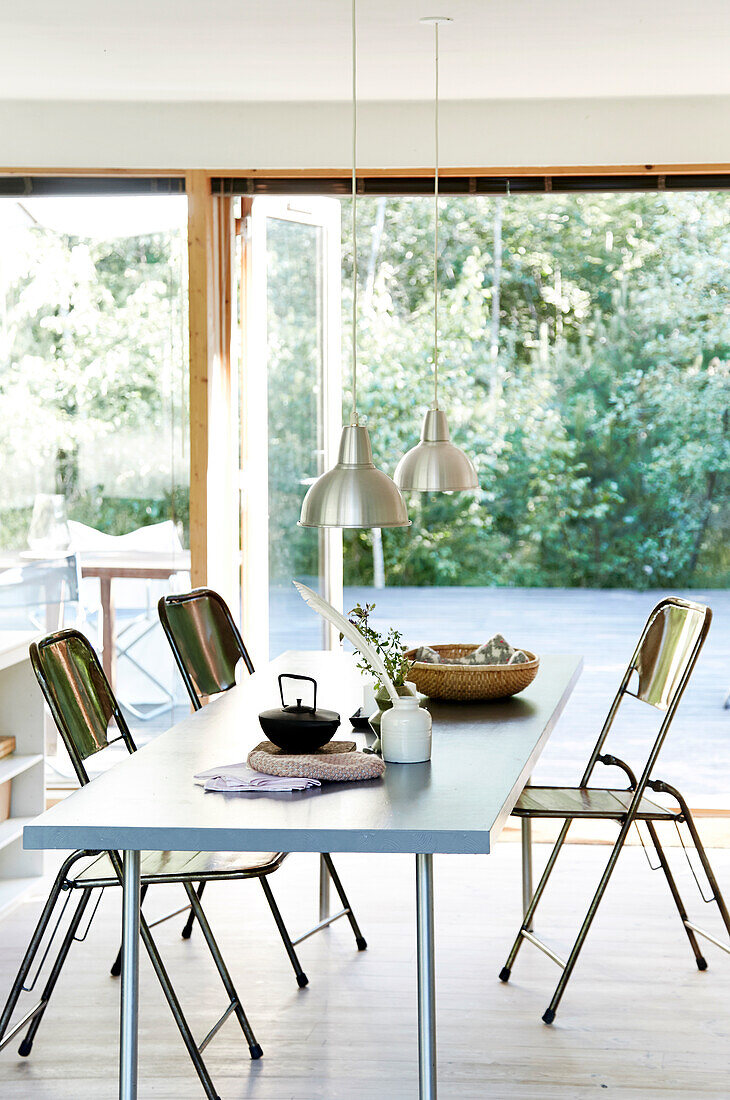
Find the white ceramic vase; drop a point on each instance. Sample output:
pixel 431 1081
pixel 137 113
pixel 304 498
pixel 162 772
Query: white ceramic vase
pixel 405 732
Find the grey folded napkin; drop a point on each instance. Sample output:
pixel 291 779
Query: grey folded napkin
pixel 497 651
pixel 239 777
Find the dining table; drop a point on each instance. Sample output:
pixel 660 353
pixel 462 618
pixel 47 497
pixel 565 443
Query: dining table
pixel 458 802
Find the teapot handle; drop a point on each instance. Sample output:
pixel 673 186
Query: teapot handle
pixel 294 676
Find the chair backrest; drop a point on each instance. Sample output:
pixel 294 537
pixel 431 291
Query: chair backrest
pixel 668 648
pixel 79 696
pixel 205 641
pixel 660 668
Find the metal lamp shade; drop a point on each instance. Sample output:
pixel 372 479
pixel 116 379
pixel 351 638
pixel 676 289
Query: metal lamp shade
pixel 435 465
pixel 354 493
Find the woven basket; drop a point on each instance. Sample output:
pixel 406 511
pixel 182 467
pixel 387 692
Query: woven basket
pixel 470 683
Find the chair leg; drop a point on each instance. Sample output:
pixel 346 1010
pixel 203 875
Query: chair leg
pixel 228 985
pixel 302 978
pixel 188 926
pixel 549 1014
pixel 25 1047
pixel 31 951
pixel 699 958
pixel 116 967
pixel 171 996
pixel 506 971
pixel 359 938
pixel 177 1012
pixel 706 865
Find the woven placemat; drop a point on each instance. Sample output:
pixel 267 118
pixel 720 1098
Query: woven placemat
pixel 338 762
pixel 328 749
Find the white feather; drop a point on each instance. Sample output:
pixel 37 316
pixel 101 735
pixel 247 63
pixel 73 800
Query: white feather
pixel 351 632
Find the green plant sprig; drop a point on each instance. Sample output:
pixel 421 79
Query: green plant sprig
pixel 389 646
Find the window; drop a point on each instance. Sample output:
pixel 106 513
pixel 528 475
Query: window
pixel 93 394
pixel 585 364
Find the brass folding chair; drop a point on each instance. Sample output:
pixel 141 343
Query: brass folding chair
pixel 207 647
pixel 658 673
pixel 85 711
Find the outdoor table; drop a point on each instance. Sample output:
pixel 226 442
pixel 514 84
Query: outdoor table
pixel 483 754
pixel 110 565
pixel 106 566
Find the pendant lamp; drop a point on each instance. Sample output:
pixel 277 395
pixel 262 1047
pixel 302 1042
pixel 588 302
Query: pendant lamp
pixel 354 493
pixel 435 465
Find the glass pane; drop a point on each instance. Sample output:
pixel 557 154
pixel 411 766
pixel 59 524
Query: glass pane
pixel 295 364
pixel 585 367
pixel 93 362
pixel 94 431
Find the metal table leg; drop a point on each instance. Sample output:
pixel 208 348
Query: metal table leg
pixel 324 890
pixel 130 977
pixel 526 864
pixel 426 979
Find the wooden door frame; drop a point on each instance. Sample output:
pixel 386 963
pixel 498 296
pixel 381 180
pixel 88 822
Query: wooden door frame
pixel 214 457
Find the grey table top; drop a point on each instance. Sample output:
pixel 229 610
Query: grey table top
pixel 483 753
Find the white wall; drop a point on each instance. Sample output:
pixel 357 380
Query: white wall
pixel 242 136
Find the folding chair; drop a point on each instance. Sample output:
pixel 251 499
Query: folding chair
pixel 84 708
pixel 658 673
pixel 207 646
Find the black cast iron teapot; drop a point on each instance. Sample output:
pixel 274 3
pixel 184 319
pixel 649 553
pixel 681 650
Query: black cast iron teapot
pixel 299 728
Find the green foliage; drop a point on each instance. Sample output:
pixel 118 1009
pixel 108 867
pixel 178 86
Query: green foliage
pixel 596 408
pixel 92 374
pixel 389 646
pixel 294 351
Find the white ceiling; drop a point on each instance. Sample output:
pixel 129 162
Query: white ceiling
pixel 280 50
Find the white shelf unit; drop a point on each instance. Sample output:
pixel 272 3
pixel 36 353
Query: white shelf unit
pixel 21 717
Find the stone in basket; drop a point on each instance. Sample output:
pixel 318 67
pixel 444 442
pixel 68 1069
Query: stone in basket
pixel 472 682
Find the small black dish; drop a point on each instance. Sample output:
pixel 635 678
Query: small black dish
pixel 298 728
pixel 360 721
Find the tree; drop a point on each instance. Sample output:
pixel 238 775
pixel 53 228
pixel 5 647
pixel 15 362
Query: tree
pixel 604 453
pixel 92 355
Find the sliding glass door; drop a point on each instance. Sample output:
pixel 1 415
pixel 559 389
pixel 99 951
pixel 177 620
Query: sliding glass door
pixel 291 396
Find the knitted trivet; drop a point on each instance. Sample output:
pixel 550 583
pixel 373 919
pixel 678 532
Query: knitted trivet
pixel 336 761
pixel 330 747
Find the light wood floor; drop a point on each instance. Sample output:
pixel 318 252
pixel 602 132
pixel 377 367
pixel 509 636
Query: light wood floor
pixel 638 1021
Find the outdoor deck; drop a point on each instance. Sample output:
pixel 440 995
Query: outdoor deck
pixel 603 626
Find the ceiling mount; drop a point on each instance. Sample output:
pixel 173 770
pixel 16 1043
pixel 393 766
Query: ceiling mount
pixel 435 20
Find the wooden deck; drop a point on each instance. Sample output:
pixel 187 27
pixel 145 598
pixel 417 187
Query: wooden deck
pixel 602 625
pixel 638 1022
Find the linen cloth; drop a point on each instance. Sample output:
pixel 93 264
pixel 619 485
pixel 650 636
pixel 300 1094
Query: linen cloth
pixel 239 777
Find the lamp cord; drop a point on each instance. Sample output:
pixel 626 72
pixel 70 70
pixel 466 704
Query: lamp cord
pixel 353 415
pixel 436 221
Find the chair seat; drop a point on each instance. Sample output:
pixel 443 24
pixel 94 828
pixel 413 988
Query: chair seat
pixel 567 802
pixel 173 866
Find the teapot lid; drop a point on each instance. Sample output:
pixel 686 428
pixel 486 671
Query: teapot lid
pixel 300 713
